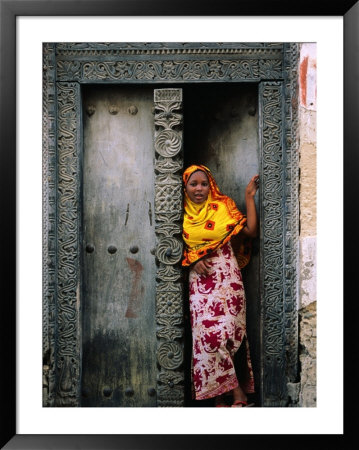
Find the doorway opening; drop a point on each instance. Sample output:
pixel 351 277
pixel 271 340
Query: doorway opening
pixel 221 132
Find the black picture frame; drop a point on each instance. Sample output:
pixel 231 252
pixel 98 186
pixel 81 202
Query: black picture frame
pixel 9 10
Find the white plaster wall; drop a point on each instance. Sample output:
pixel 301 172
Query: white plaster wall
pixel 308 263
pixel 308 223
pixel 308 173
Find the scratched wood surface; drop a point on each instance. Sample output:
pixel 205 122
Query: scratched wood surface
pixel 118 316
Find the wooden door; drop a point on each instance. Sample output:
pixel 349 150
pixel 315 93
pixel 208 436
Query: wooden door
pixel 118 311
pixel 119 271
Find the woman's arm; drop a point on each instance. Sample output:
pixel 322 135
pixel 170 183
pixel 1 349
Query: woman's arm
pixel 251 228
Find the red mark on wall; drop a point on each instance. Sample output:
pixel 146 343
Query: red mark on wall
pixel 137 289
pixel 303 81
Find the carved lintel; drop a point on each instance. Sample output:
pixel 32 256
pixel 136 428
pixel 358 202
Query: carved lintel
pixel 254 66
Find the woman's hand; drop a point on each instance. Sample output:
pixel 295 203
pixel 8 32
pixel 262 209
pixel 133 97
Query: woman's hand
pixel 251 228
pixel 252 186
pixel 202 267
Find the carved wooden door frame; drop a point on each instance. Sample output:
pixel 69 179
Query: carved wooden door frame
pixel 68 66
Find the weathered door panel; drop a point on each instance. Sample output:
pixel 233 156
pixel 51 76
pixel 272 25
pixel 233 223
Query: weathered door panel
pixel 118 311
pixel 221 131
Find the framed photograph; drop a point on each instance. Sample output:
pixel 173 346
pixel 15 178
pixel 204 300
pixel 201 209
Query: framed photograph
pixel 129 64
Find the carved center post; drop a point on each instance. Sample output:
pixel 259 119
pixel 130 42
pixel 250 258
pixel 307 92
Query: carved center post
pixel 168 215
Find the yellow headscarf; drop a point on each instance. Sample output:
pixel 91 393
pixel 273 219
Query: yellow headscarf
pixel 211 224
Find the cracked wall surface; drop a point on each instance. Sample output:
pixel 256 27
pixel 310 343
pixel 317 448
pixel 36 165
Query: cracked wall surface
pixel 307 355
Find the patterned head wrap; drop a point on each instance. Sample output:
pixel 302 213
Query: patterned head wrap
pixel 211 224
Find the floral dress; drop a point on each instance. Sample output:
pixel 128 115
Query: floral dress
pixel 218 321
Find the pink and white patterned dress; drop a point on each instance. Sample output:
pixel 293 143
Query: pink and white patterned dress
pixel 218 321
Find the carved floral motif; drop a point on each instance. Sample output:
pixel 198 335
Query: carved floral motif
pixel 168 143
pixel 170 387
pixel 169 303
pixel 170 355
pixel 168 197
pixel 183 69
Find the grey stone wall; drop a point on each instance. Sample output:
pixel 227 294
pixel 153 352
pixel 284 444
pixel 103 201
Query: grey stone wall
pixel 308 355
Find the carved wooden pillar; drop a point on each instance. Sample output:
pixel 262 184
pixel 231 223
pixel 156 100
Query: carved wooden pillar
pixel 272 240
pixel 291 174
pixel 168 215
pixel 68 249
pixel 49 224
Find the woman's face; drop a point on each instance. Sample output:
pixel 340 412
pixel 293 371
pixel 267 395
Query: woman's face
pixel 197 187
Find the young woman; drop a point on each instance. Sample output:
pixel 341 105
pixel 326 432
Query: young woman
pixel 216 294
